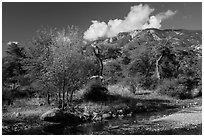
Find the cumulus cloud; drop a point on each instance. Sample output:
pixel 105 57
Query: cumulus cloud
pixel 138 18
pixel 96 30
pixel 12 42
pixel 155 21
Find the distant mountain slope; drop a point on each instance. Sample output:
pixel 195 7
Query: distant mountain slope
pixel 180 39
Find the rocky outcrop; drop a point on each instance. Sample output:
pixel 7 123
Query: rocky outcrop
pixel 56 115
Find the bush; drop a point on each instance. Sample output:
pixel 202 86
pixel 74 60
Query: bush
pixel 149 82
pixel 140 82
pixel 168 87
pixel 200 91
pixel 7 96
pixel 112 72
pixel 192 84
pixel 131 83
pixel 120 90
pixel 95 92
pixel 174 88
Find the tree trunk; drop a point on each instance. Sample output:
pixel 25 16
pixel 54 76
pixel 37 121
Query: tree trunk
pixel 67 97
pixel 71 96
pixel 59 97
pixel 63 93
pixel 101 66
pixel 157 67
pixel 48 97
pixel 63 98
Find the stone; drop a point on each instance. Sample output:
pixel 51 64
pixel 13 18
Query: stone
pixel 120 111
pixel 94 115
pixel 139 104
pixel 121 116
pixel 106 116
pixel 53 115
pixel 56 115
pixel 130 114
pixel 18 114
pixel 98 118
pixel 86 114
pixel 113 115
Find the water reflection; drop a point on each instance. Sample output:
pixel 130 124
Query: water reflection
pixel 87 128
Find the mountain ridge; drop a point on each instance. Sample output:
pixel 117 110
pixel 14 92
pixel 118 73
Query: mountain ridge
pixel 180 39
pixel 134 32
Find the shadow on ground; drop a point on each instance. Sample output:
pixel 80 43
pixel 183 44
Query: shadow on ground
pixel 133 104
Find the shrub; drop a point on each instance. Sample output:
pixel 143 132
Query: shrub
pixel 95 92
pixel 131 83
pixel 121 90
pixel 168 87
pixel 7 96
pixel 200 91
pixel 174 88
pixel 140 82
pixel 191 84
pixel 148 82
pixel 112 72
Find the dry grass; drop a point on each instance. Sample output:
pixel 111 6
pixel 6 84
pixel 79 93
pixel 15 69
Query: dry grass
pixel 26 107
pixel 120 90
pixel 90 107
pixel 125 91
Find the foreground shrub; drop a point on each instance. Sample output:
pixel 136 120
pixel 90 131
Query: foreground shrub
pixel 95 92
pixel 178 88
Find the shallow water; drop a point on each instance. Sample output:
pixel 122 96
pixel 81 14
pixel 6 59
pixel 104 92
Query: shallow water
pixel 102 127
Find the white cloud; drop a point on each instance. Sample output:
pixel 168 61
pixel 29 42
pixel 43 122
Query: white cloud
pixel 12 42
pixel 138 18
pixel 155 21
pixel 96 30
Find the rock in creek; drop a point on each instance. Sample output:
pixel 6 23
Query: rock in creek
pixel 56 115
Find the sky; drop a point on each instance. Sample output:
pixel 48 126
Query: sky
pixel 20 21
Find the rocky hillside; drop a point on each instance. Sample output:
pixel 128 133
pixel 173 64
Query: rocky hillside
pixel 148 53
pixel 179 39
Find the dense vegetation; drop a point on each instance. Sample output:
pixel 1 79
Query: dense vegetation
pixel 56 64
pixel 166 61
pixel 51 65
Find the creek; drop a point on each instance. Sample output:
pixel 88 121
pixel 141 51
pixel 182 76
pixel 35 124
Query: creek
pixel 125 125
